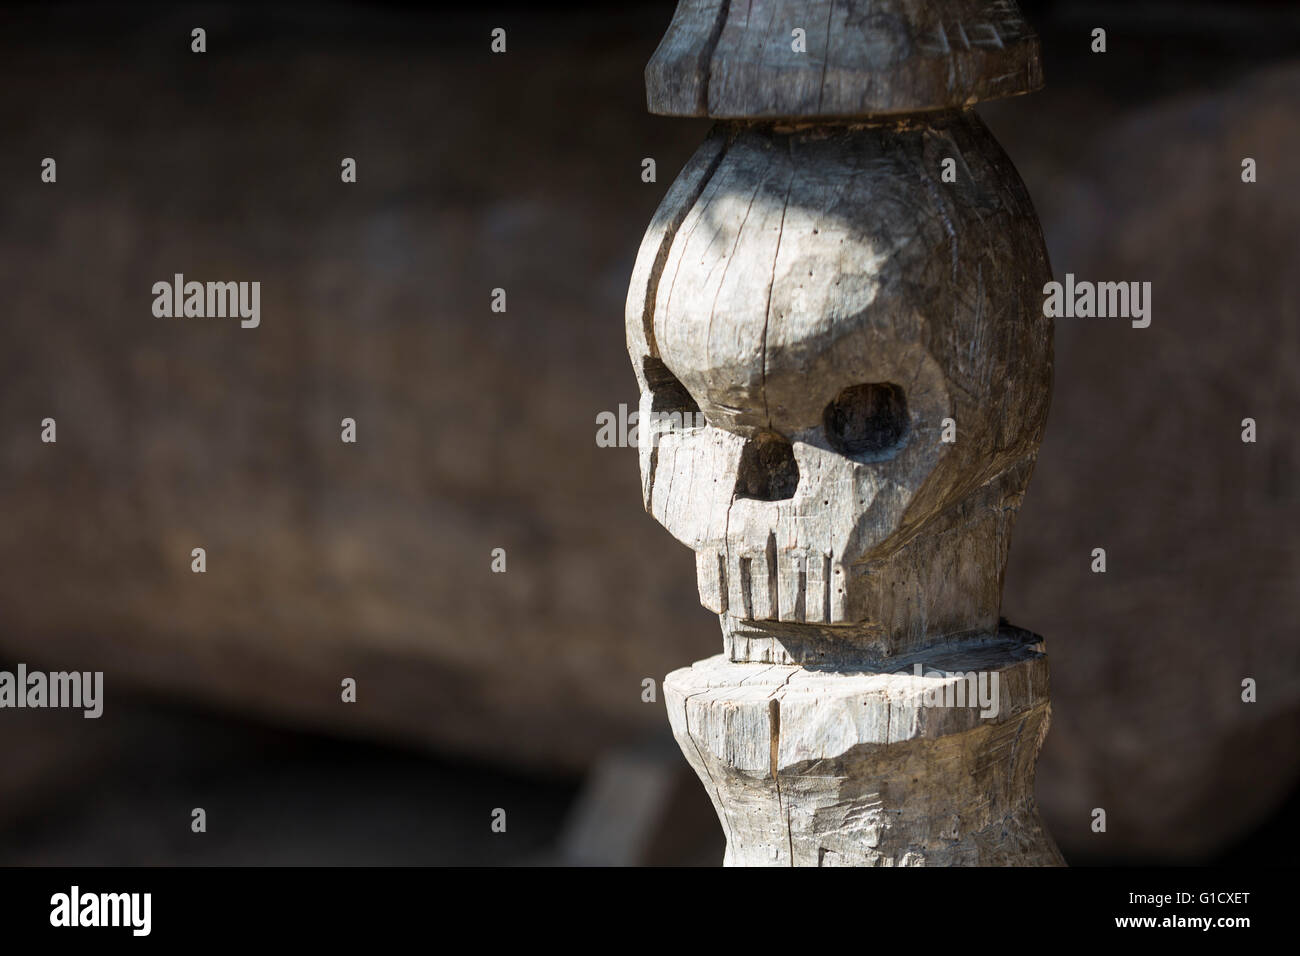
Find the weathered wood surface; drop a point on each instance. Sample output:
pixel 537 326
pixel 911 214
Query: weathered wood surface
pixel 812 767
pixel 843 324
pixel 738 60
pixel 811 274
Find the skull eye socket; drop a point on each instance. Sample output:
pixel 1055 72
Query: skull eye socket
pixel 867 422
pixel 667 392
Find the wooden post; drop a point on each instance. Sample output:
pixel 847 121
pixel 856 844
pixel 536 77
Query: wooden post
pixel 836 325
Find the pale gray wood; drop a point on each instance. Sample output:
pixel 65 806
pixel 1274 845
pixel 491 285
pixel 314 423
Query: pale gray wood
pixel 810 262
pixel 643 291
pixel 828 304
pixel 832 768
pixel 863 57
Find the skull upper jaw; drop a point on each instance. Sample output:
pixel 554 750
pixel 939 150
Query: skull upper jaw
pixel 883 588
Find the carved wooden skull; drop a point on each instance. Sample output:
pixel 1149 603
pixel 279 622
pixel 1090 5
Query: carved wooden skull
pixel 845 373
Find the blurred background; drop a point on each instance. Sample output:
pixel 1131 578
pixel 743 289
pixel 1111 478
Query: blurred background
pixel 476 430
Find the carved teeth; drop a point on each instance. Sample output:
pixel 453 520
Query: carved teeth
pixel 711 574
pixel 792 584
pixel 753 583
pixel 767 585
pixel 817 592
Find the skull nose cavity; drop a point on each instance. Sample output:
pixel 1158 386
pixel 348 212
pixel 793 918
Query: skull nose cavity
pixel 768 471
pixel 867 422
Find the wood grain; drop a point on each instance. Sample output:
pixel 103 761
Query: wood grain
pixel 807 264
pixel 862 57
pixel 810 767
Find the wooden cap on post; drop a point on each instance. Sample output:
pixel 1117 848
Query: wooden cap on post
pixel 745 59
